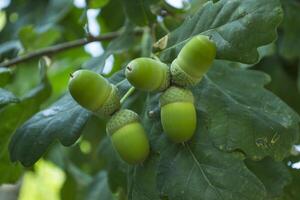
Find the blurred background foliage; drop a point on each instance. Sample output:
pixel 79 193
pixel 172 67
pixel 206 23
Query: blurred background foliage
pixel 30 25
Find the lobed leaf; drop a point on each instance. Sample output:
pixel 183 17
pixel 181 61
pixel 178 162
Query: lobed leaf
pixel 274 175
pixel 63 121
pixel 6 97
pixel 238 27
pixel 290 44
pixel 5 76
pixel 245 116
pixel 12 116
pixel 138 11
pixel 99 188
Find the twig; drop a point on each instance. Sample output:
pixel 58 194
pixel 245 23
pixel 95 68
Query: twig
pixel 61 47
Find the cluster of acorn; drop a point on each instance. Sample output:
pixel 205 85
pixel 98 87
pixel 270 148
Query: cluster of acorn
pixel 178 113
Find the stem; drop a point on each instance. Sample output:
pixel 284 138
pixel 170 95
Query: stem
pixel 128 93
pixel 119 83
pixel 62 47
pixel 163 26
pixel 155 57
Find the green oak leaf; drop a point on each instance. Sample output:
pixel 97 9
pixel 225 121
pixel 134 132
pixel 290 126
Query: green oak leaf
pixel 238 27
pixel 138 11
pixel 115 167
pixel 142 180
pixel 31 39
pixel 5 76
pixel 12 116
pixel 292 191
pixel 274 175
pixel 289 45
pixel 197 170
pixel 65 116
pixel 97 3
pixel 99 188
pixel 243 115
pixel 6 97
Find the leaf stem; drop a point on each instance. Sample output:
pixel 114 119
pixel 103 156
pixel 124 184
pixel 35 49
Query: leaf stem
pixel 155 57
pixel 121 82
pixel 128 93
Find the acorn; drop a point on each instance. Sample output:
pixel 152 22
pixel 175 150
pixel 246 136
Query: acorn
pixel 147 74
pixel 178 114
pixel 93 92
pixel 128 136
pixel 193 61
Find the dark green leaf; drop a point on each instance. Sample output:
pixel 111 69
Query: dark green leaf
pixel 109 22
pixel 290 44
pixel 292 191
pixel 288 92
pixel 142 180
pixel 243 115
pixel 11 116
pixel 138 11
pixel 97 3
pixel 62 121
pixel 9 46
pixel 198 170
pixel 274 175
pixel 43 14
pixel 99 188
pixel 231 25
pixel 115 167
pixel 5 76
pixel 7 97
pixel 32 40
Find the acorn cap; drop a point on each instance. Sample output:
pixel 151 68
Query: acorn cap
pixel 180 77
pixel 166 81
pixel 120 119
pixel 176 94
pixel 111 104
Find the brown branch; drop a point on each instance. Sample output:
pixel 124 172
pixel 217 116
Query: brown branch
pixel 61 47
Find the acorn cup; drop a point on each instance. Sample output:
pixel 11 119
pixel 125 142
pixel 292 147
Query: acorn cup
pixel 178 114
pixel 193 61
pixel 128 136
pixel 147 74
pixel 94 92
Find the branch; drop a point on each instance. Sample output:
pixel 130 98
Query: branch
pixel 61 47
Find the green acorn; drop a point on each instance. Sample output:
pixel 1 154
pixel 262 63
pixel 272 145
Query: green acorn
pixel 178 114
pixel 148 74
pixel 94 92
pixel 193 61
pixel 128 136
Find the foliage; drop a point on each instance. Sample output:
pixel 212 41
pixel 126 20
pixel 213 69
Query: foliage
pixel 247 104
